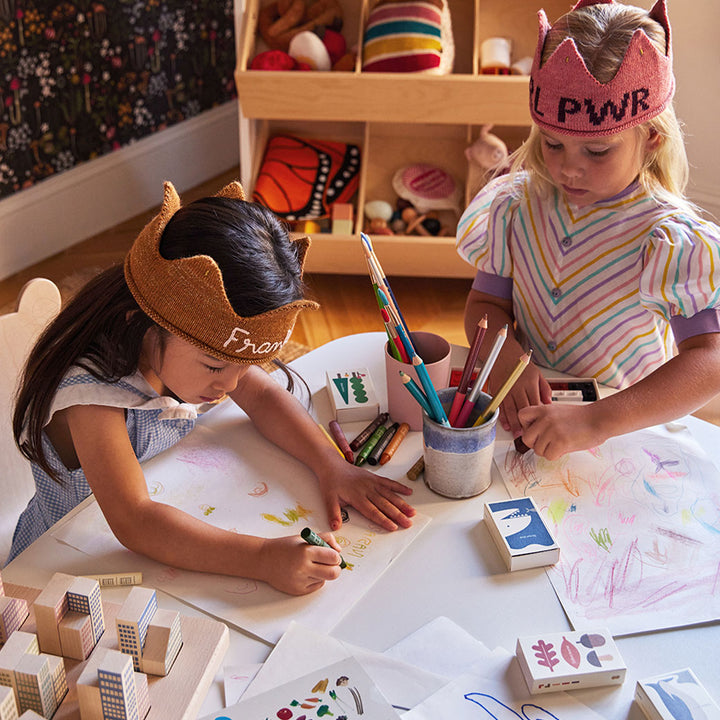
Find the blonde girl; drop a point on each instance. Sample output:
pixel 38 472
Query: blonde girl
pixel 588 249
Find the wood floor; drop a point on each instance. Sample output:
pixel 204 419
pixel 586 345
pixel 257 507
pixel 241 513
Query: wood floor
pixel 347 302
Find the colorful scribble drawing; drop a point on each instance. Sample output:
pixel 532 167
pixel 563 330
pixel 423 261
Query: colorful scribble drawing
pixel 637 521
pixel 292 516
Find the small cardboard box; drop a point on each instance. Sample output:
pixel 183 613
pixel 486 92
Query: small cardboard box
pixel 675 694
pixel 570 661
pixel 521 535
pixel 352 395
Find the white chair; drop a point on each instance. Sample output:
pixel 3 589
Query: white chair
pixel 37 304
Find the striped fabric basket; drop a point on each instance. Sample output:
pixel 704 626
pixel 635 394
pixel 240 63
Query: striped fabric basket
pixel 409 36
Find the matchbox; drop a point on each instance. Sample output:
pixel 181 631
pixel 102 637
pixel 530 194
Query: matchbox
pixel 520 533
pixel 352 395
pixel 570 661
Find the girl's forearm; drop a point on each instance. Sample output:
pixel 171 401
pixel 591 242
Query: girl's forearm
pixel 282 419
pixel 679 387
pixel 174 538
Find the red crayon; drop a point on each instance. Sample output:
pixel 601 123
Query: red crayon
pixel 341 440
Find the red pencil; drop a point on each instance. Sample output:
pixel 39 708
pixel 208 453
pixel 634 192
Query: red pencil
pixel 464 384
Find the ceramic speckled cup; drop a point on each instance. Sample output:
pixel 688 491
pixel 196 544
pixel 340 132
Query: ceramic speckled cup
pixel 458 461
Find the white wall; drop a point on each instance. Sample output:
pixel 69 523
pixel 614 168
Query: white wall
pixel 695 26
pixel 63 210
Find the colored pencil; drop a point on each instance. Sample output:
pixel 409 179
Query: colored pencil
pixel 337 432
pixel 472 396
pixel 438 412
pixel 416 392
pixel 464 383
pixel 405 342
pixel 332 441
pixel 522 363
pixel 392 341
pixel 370 252
pixel 399 346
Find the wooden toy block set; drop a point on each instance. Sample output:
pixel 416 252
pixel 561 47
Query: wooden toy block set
pixel 57 660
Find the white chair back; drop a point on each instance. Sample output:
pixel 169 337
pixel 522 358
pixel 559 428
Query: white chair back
pixel 37 304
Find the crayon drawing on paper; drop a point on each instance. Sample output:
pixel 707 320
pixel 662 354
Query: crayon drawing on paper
pixel 638 524
pixel 266 494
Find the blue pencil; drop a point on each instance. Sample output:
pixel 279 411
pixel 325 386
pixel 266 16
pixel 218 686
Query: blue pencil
pixel 438 412
pixel 417 393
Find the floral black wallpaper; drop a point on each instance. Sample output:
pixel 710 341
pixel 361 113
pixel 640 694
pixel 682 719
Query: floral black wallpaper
pixel 80 79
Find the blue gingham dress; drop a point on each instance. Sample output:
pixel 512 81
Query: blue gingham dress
pixel 154 423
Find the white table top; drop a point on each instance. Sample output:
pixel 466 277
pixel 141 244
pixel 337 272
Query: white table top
pixel 469 584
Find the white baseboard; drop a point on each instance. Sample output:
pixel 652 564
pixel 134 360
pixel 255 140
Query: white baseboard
pixel 96 195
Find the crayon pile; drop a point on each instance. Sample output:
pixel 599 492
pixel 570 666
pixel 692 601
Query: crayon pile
pixel 375 444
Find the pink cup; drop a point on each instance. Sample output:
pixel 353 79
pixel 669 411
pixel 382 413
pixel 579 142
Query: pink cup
pixel 435 353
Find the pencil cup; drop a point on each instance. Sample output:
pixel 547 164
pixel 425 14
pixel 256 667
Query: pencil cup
pixel 435 353
pixel 458 461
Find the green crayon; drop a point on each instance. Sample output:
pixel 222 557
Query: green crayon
pixel 367 448
pixel 312 538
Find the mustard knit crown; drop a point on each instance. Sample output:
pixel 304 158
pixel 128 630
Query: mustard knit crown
pixel 187 296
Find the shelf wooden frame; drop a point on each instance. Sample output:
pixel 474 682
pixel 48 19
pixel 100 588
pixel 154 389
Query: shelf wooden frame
pixel 396 118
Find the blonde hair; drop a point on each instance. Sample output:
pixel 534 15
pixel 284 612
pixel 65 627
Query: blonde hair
pixel 602 34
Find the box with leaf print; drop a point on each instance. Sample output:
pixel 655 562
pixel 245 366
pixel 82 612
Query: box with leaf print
pixel 570 661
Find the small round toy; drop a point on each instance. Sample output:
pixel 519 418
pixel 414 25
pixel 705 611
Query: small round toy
pixel 272 60
pixel 378 209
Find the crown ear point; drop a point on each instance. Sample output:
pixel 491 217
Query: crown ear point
pixel 586 3
pixel 658 12
pixel 233 191
pixel 301 245
pixel 170 204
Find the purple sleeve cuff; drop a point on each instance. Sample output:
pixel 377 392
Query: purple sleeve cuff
pixel 706 321
pixel 496 285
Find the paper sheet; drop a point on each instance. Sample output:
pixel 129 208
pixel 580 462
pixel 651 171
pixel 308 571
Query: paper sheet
pixel 638 524
pixel 301 650
pixel 340 689
pixel 493 688
pixel 474 696
pixel 266 493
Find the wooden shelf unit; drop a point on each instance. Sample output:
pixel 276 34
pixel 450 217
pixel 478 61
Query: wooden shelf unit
pixel 396 119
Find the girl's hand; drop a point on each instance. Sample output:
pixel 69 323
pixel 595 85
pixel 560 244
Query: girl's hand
pixel 556 429
pixel 291 565
pixel 530 389
pixel 375 496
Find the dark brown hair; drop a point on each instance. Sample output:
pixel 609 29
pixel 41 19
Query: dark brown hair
pixel 102 328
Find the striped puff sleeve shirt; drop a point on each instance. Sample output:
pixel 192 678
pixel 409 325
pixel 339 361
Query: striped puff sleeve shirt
pixel 601 291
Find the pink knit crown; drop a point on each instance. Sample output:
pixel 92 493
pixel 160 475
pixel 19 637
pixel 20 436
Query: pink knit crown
pixel 566 98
